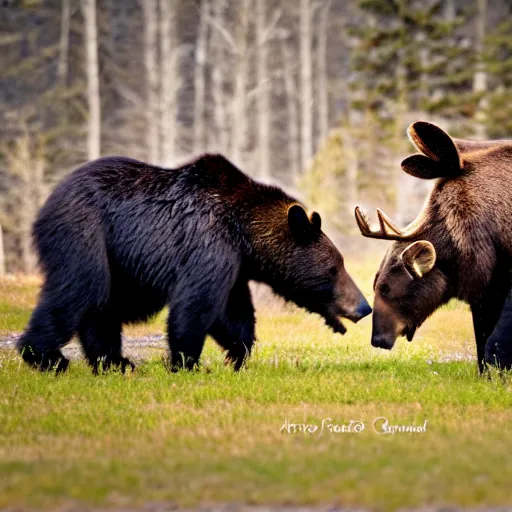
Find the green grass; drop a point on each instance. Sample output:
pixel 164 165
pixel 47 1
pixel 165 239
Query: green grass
pixel 213 436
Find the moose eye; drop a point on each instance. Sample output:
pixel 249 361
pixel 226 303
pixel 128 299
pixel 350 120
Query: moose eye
pixel 333 271
pixel 384 289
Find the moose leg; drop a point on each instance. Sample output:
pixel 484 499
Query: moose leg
pixel 234 329
pixel 498 350
pixel 486 313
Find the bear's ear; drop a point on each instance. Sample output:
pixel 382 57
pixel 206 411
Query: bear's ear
pixel 419 258
pixel 438 146
pixel 316 221
pixel 299 223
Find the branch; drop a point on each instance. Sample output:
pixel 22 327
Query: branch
pixel 223 32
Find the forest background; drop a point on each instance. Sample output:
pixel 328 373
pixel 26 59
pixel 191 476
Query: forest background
pixel 314 95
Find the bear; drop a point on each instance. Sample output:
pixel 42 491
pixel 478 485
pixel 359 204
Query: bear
pixel 459 246
pixel 119 239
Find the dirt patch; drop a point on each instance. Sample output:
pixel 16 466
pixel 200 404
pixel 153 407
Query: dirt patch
pixel 136 348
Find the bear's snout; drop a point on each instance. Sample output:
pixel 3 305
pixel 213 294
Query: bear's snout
pixel 362 310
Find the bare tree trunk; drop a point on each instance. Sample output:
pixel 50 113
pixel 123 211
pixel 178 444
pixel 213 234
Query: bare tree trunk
pixel 321 73
pixel 480 75
pixel 27 257
pixel 25 162
pixel 22 165
pixel 93 82
pixel 32 198
pixel 306 83
pixel 2 252
pixel 351 192
pixel 449 10
pixel 200 79
pixel 62 69
pixel 169 81
pixel 36 195
pixel 149 10
pixel 263 91
pixel 39 194
pixel 239 114
pixel 424 59
pixel 401 108
pixel 292 113
pixel 219 57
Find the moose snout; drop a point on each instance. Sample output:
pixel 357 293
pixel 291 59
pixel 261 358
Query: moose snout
pixel 382 341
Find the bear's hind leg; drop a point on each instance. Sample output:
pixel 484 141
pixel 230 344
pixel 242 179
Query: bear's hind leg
pixel 100 336
pixel 51 326
pixel 234 330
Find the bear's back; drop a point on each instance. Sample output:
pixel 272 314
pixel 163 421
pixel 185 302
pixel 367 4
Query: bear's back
pixel 122 178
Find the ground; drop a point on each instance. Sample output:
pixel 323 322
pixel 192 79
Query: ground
pixel 216 437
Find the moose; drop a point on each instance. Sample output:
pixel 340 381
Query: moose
pixel 459 246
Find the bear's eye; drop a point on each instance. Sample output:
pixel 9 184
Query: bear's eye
pixel 384 289
pixel 333 271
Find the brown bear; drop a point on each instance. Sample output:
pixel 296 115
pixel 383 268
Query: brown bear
pixel 459 246
pixel 120 239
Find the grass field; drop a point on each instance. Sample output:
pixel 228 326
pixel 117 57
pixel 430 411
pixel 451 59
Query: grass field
pixel 213 436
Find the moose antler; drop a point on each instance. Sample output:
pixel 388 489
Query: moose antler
pixel 388 230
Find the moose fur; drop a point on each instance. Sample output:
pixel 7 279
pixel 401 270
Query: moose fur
pixel 459 246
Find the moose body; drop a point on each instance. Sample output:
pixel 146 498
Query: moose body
pixel 459 246
pixel 120 239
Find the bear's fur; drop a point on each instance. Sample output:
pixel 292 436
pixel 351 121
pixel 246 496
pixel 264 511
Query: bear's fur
pixel 461 244
pixel 119 239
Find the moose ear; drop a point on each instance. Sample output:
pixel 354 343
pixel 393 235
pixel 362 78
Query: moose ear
pixel 419 258
pixel 422 167
pixel 316 221
pixel 437 145
pixel 299 222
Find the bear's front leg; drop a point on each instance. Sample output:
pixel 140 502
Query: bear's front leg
pixel 498 350
pixel 189 321
pixel 234 330
pixel 197 299
pixel 186 328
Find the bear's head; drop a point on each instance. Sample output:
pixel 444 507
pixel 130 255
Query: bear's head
pixel 302 265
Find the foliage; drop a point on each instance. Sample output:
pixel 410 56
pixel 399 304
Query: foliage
pixel 386 64
pixel 321 183
pixel 498 62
